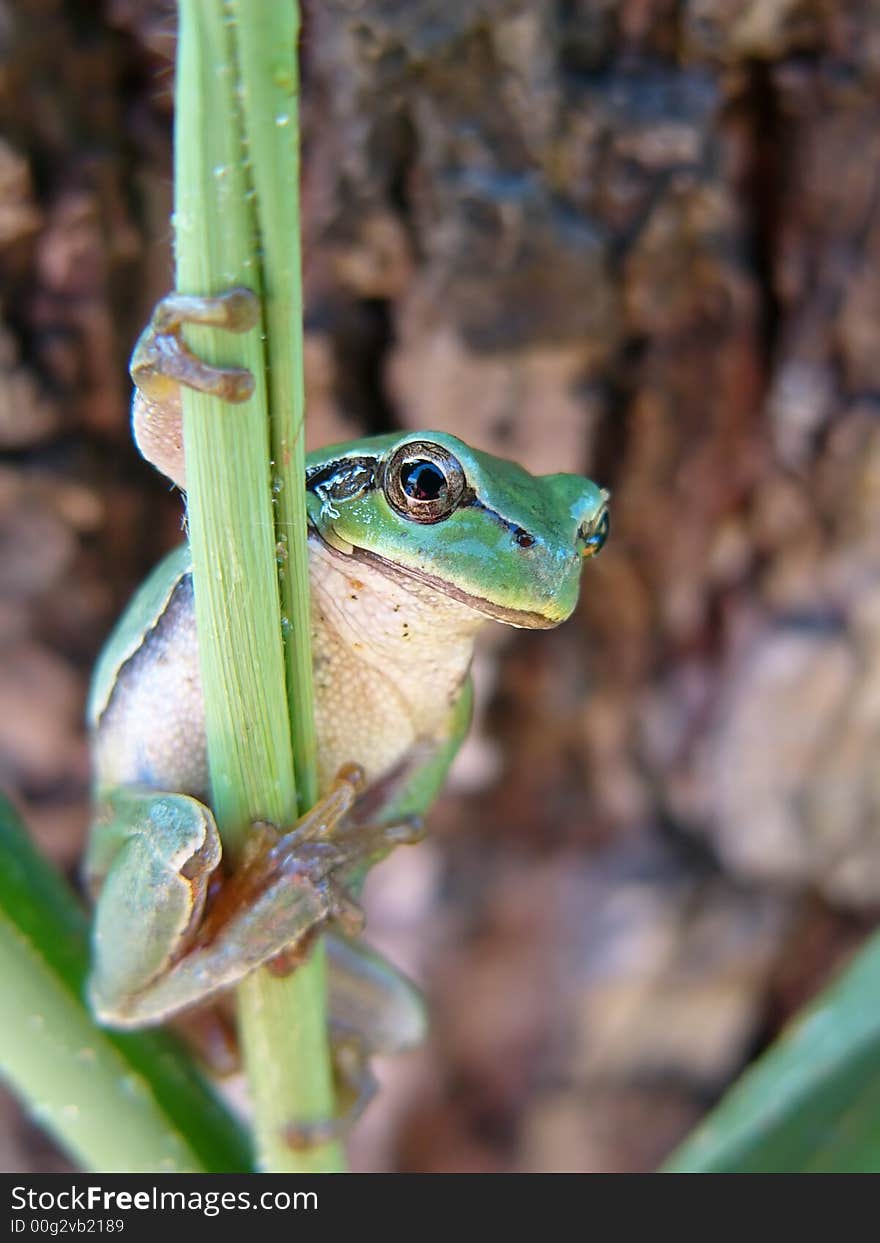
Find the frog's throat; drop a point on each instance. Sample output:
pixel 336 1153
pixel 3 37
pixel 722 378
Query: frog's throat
pixel 524 619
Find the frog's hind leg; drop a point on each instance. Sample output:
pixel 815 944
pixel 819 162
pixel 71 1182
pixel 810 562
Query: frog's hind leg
pixel 151 861
pixel 286 886
pixel 162 361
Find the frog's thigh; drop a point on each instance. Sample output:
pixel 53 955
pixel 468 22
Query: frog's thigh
pixel 162 850
pixel 371 999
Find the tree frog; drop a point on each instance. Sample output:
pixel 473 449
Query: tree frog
pixel 416 541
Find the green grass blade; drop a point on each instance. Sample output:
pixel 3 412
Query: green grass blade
pixel 812 1101
pixel 267 56
pixel 229 499
pixel 115 1103
pixel 236 77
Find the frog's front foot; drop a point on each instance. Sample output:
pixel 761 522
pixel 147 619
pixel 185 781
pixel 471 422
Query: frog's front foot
pixel 162 361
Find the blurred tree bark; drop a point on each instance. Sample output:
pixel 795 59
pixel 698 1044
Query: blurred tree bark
pixel 635 239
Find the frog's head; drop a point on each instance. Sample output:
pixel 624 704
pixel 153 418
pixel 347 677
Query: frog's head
pixel 475 527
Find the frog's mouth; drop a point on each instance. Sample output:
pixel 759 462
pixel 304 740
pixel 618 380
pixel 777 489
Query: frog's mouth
pixel 524 619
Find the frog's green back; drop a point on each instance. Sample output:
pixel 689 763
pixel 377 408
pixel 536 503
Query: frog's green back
pixel 144 609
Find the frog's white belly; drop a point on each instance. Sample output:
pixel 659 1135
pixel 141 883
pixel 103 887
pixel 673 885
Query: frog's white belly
pixel 390 656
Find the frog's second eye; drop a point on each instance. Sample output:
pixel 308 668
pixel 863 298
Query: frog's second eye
pixel 596 534
pixel 423 481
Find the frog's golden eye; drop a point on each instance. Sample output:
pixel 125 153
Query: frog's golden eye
pixel 423 481
pixel 595 535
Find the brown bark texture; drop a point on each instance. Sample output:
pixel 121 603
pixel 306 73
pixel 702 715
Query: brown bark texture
pixel 637 239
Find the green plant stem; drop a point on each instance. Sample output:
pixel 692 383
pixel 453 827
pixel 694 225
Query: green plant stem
pixel 269 75
pixel 236 76
pixel 117 1103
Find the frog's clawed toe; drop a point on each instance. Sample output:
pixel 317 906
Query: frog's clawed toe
pixel 368 843
pixel 408 832
pixel 162 359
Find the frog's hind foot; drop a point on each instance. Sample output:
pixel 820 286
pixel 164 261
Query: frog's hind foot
pixel 331 825
pixel 310 857
pixel 285 890
pixel 356 1086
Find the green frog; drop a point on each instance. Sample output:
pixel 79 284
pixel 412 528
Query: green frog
pixel 416 541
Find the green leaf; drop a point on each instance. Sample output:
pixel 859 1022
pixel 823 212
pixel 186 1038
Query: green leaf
pixel 126 1103
pixel 812 1101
